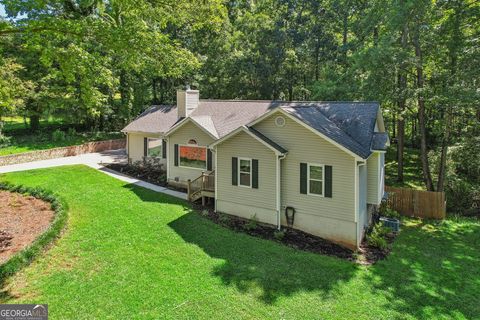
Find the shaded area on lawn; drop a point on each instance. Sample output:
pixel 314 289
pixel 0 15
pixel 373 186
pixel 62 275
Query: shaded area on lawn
pixel 129 251
pixel 434 269
pixel 249 264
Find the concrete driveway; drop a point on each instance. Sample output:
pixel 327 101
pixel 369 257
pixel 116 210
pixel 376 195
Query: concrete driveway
pixel 96 161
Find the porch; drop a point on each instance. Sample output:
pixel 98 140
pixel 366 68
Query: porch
pixel 201 187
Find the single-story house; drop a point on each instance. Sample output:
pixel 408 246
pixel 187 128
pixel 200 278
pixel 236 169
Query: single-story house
pixel 321 164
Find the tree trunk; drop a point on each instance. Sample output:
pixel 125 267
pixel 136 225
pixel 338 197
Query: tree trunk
pixel 154 91
pixel 443 158
pixel 427 176
pixel 402 86
pixel 34 122
pixel 400 145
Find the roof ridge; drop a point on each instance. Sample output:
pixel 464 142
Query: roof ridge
pixel 288 101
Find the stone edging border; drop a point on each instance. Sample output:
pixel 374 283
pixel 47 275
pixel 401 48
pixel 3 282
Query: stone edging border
pixel 27 255
pixel 89 147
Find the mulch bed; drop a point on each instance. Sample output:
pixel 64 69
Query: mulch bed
pixel 297 239
pixel 22 220
pixel 146 173
pixel 155 176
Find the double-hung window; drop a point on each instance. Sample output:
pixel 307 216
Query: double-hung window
pixel 316 179
pixel 154 148
pixel 245 172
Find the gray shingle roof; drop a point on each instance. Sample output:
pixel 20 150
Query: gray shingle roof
pixel 267 140
pixel 231 114
pixel 156 119
pixel 350 124
pixel 380 141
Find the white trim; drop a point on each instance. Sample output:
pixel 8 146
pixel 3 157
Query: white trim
pixel 167 143
pixel 126 144
pixel 239 159
pixel 357 196
pixel 244 129
pixel 185 121
pixel 216 181
pixel 379 193
pixel 193 146
pixel 323 179
pixel 278 190
pixel 148 147
pixel 266 115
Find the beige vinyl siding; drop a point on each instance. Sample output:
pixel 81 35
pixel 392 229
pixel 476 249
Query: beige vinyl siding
pixel 373 177
pixel 332 218
pixel 306 146
pixel 243 201
pixel 135 145
pixel 181 137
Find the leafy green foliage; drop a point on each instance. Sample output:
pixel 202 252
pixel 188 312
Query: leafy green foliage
pixel 376 237
pixel 431 272
pixel 251 223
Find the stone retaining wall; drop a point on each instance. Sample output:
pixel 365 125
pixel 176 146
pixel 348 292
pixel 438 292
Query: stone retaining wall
pixel 89 147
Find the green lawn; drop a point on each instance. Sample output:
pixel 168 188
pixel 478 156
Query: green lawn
pixel 18 123
pixel 131 253
pixel 42 141
pixel 412 169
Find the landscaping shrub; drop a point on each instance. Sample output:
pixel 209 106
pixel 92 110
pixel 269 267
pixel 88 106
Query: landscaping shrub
pixel 462 179
pixel 58 135
pixel 223 218
pixel 71 133
pixel 251 224
pixel 391 213
pixel 376 237
pixel 26 256
pixel 279 235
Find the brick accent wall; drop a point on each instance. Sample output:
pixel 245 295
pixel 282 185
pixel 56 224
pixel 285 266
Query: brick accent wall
pixel 89 147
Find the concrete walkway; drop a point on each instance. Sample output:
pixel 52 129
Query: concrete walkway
pixel 96 161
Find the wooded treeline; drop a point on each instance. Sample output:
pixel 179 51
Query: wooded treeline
pixel 102 62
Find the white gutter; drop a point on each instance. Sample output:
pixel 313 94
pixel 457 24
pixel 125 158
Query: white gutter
pixel 278 191
pixel 214 150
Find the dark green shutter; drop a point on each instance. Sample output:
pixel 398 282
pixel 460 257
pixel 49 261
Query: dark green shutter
pixel 209 160
pixel 164 149
pixel 175 161
pixel 255 173
pixel 328 181
pixel 303 178
pixel 235 171
pixel 145 147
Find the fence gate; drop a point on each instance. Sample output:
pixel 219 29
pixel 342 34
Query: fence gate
pixel 416 203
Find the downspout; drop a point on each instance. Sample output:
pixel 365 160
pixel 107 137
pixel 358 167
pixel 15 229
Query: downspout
pixel 214 150
pixel 358 164
pixel 167 143
pixel 278 190
pixel 126 143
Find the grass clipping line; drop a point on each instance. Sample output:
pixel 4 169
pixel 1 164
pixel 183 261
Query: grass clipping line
pixel 27 255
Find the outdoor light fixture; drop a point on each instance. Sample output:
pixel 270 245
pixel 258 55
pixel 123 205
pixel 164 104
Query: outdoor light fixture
pixel 290 215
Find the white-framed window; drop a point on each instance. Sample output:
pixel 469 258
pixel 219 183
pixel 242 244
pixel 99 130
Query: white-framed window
pixel 193 157
pixel 154 148
pixel 245 172
pixel 316 179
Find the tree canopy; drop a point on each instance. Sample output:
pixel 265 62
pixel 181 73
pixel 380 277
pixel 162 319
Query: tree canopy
pixel 102 62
